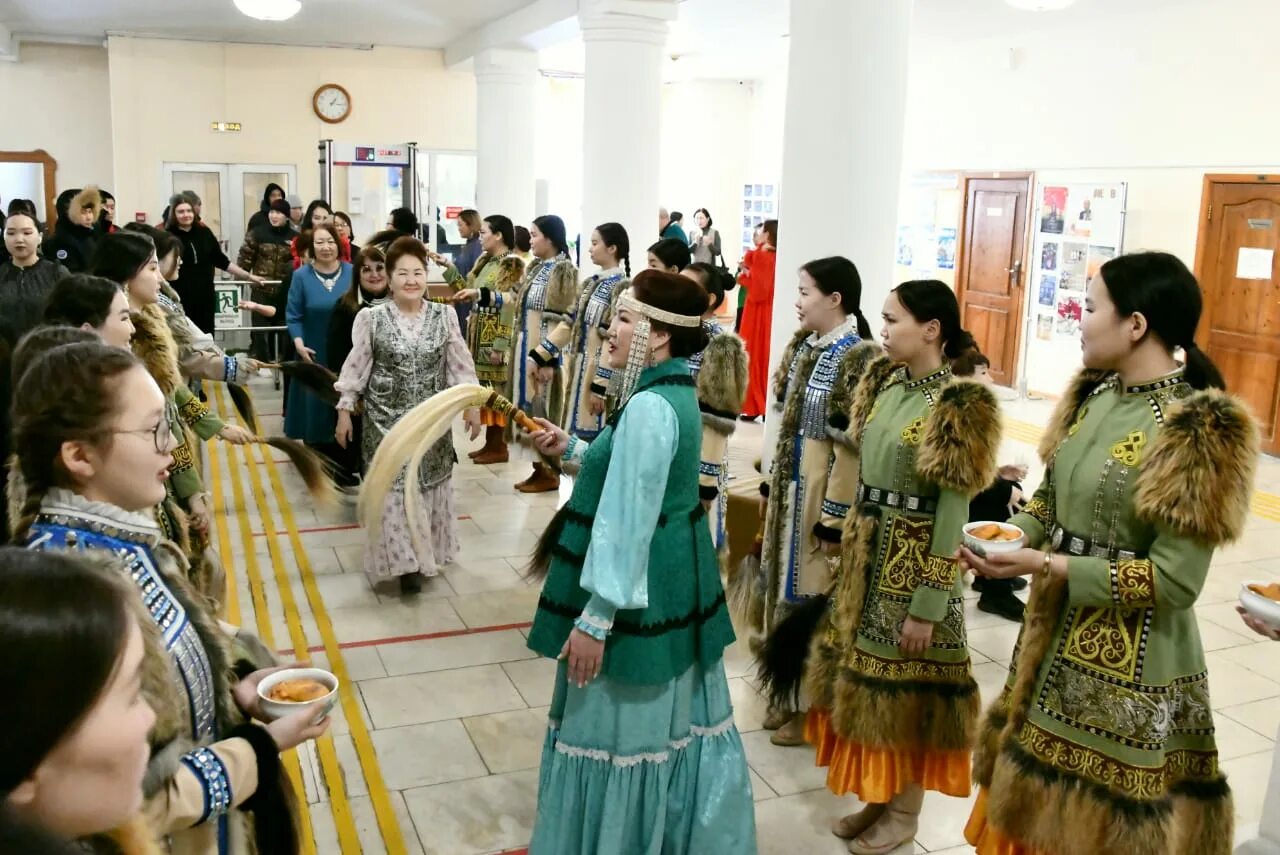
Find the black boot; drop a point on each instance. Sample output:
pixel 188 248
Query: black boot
pixel 1001 601
pixel 411 583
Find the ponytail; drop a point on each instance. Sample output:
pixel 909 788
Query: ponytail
pixel 626 265
pixel 958 343
pixel 1200 371
pixel 864 328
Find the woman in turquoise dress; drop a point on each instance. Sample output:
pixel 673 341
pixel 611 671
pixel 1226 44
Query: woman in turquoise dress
pixel 314 291
pixel 642 755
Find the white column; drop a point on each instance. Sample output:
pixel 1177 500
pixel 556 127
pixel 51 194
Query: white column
pixel 841 151
pixel 506 80
pixel 622 97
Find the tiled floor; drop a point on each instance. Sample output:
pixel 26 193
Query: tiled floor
pixel 452 703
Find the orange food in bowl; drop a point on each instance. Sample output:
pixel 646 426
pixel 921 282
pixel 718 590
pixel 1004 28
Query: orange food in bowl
pixel 995 532
pixel 298 691
pixel 1271 591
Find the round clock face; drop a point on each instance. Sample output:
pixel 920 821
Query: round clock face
pixel 332 103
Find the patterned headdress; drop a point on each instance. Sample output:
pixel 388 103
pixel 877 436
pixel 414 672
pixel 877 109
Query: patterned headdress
pixel 638 357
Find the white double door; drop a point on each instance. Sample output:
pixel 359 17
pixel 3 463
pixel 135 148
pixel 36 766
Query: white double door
pixel 230 193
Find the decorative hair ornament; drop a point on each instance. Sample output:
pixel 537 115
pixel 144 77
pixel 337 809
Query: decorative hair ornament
pixel 639 357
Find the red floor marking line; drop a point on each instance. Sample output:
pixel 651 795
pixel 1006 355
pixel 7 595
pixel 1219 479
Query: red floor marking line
pixel 426 636
pixel 346 527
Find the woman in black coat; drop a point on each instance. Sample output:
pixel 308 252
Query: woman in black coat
pixel 201 255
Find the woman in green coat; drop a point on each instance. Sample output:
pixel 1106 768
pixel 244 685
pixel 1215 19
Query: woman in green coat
pixel 1102 741
pixel 489 331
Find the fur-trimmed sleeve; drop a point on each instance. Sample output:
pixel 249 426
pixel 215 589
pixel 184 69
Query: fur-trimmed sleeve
pixel 853 366
pixel 864 397
pixel 961 439
pixel 784 366
pixel 562 290
pixel 1197 477
pixel 722 383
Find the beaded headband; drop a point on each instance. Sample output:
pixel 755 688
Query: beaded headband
pixel 628 301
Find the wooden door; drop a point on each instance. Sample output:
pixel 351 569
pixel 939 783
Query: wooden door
pixel 1236 262
pixel 990 273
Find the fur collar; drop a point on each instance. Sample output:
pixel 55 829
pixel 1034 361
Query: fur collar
pixel 153 343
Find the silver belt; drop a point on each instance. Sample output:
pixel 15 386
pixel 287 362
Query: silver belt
pixel 896 499
pixel 1064 541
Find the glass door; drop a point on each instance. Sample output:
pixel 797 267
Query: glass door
pixel 248 184
pixel 209 181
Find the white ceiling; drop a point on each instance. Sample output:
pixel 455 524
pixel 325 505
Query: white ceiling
pixel 406 23
pixel 728 39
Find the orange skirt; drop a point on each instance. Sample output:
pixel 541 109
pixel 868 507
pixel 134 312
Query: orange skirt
pixel 875 775
pixel 492 418
pixel 985 838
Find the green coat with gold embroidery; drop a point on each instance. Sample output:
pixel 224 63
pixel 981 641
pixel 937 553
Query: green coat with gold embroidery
pixel 1108 695
pixel 926 446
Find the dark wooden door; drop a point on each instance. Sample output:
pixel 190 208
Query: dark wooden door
pixel 990 270
pixel 1236 262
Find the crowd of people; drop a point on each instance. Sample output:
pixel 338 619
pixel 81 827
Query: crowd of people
pixel 141 725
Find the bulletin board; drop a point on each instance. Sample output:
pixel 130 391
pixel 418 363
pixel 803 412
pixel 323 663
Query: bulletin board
pixel 1078 228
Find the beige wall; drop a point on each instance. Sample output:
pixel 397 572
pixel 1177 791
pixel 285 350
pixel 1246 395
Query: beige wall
pixel 164 94
pixel 57 98
pixel 1156 100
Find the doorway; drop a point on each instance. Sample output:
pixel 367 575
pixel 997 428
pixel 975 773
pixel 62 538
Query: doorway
pixel 1236 264
pixel 230 193
pixel 990 268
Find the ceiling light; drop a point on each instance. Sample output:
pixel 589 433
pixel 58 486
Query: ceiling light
pixel 1040 5
pixel 269 10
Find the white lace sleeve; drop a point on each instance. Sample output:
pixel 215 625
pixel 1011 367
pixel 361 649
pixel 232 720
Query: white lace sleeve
pixel 359 364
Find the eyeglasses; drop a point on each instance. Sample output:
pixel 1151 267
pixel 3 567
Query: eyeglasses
pixel 161 434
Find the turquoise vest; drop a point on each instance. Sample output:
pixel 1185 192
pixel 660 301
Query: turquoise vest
pixel 686 620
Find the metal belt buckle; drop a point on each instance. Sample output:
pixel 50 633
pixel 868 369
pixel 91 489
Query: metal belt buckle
pixel 1076 546
pixel 913 503
pixel 1058 534
pixel 893 500
pixel 874 494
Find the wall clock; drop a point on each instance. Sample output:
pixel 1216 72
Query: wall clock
pixel 332 103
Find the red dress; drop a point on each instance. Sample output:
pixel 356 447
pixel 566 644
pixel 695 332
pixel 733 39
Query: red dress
pixel 759 266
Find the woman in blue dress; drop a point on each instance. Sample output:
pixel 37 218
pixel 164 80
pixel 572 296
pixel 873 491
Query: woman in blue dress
pixel 642 755
pixel 314 292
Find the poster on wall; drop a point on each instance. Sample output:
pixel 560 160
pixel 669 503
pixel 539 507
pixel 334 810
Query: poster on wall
pixel 947 249
pixel 1079 227
pixel 759 202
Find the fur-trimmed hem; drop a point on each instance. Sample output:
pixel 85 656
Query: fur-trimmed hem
pixel 905 714
pixel 961 438
pixel 722 425
pixel 1052 811
pixel 1197 477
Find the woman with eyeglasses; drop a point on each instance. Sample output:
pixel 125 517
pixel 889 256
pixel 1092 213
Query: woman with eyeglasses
pixel 129 259
pixel 95 447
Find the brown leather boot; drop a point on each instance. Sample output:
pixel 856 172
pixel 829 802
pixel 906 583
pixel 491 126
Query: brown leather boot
pixel 543 480
pixel 495 447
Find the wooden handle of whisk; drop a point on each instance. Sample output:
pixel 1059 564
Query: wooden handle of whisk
pixel 500 404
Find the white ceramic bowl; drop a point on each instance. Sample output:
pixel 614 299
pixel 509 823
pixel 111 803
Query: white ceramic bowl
pixel 272 710
pixel 1263 608
pixel 993 547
